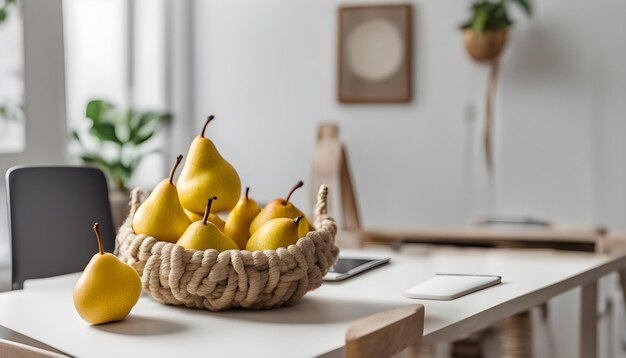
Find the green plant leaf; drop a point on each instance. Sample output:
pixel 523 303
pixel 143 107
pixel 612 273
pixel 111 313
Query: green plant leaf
pixel 141 139
pixel 97 109
pixel 147 126
pixel 138 124
pixel 487 15
pixel 480 20
pixel 75 136
pixel 105 132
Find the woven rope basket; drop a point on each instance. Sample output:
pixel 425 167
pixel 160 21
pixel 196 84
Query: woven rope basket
pixel 231 279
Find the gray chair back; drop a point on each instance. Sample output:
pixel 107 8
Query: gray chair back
pixel 51 214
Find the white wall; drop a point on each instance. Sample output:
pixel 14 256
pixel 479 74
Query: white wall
pixel 267 69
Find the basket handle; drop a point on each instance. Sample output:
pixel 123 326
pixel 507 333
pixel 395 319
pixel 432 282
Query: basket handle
pixel 135 201
pixel 321 207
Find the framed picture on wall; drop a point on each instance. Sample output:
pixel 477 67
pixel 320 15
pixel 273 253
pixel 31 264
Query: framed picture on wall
pixel 374 54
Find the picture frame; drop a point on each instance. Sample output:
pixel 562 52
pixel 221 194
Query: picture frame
pixel 375 53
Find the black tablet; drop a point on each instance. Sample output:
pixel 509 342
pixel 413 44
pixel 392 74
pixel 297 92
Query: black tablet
pixel 346 267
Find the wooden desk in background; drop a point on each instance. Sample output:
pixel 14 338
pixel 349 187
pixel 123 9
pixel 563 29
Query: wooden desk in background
pixel 587 240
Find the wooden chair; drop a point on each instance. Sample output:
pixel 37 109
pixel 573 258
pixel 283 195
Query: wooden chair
pixel 10 349
pixel 386 333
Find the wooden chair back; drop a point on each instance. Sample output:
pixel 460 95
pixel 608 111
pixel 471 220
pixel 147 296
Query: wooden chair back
pixel 386 333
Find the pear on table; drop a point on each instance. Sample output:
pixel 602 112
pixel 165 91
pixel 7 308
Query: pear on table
pixel 161 215
pixel 281 208
pixel 276 233
pixel 207 173
pixel 238 223
pixel 108 288
pixel 203 235
pixel 216 220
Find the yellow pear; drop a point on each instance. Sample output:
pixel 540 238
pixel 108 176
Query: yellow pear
pixel 206 173
pixel 108 288
pixel 281 208
pixel 161 215
pixel 203 235
pixel 238 223
pixel 280 232
pixel 212 218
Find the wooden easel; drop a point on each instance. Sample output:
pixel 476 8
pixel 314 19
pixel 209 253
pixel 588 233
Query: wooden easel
pixel 330 166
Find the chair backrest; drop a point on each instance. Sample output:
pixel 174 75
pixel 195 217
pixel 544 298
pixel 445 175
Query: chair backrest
pixel 51 214
pixel 9 349
pixel 386 333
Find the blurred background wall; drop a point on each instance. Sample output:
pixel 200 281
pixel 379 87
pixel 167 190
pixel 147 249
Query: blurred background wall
pixel 268 70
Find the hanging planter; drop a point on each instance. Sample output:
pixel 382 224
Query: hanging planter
pixel 485 46
pixel 485 36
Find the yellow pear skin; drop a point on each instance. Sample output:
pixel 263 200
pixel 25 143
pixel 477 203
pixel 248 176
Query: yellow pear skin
pixel 107 290
pixel 281 208
pixel 216 220
pixel 238 223
pixel 280 232
pixel 205 174
pixel 203 235
pixel 161 215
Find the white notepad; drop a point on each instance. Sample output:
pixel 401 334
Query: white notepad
pixel 450 286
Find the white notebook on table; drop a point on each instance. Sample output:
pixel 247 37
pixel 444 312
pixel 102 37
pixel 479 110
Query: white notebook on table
pixel 450 286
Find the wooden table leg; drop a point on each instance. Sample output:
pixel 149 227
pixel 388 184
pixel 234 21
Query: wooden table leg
pixel 588 320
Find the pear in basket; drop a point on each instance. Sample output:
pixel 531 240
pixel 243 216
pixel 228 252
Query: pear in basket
pixel 203 235
pixel 161 215
pixel 216 220
pixel 281 208
pixel 205 174
pixel 280 232
pixel 238 223
pixel 108 288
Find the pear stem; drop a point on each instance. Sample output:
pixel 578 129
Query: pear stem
pixel 299 185
pixel 297 220
pixel 96 228
pixel 178 159
pixel 207 211
pixel 247 191
pixel 209 119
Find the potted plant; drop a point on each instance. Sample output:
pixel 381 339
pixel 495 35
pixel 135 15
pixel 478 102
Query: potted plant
pixel 116 142
pixel 485 33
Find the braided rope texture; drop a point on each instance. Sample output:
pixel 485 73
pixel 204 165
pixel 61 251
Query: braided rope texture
pixel 218 281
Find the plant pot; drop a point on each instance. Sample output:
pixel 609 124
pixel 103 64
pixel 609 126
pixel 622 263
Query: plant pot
pixel 484 46
pixel 119 206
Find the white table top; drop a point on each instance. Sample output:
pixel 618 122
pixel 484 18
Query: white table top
pixel 317 324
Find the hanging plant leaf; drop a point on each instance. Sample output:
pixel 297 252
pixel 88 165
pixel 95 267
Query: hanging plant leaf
pixel 487 15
